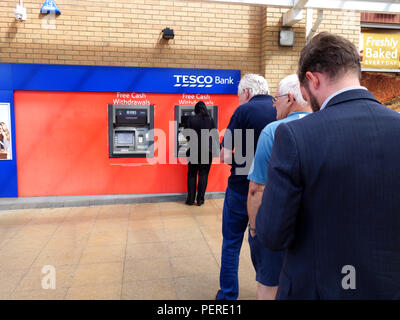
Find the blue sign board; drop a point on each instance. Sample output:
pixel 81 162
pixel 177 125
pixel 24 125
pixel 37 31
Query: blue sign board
pixel 49 6
pixel 123 79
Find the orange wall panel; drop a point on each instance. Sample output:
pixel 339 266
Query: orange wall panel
pixel 62 146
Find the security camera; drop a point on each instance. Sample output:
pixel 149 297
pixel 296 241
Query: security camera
pixel 20 13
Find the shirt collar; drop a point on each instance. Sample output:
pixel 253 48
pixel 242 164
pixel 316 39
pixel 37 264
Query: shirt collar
pixel 339 92
pixel 298 113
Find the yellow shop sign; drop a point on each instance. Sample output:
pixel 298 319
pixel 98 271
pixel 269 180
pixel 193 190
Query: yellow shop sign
pixel 381 50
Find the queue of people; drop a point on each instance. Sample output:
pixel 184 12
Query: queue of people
pixel 315 172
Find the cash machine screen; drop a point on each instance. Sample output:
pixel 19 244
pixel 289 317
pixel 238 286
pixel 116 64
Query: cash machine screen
pixel 131 116
pixel 125 138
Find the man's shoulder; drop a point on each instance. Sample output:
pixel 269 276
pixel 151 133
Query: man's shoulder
pixel 273 125
pixel 270 128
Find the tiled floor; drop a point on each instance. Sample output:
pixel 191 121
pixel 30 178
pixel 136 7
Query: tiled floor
pixel 136 251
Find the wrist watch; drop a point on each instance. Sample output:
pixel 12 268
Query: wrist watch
pixel 251 228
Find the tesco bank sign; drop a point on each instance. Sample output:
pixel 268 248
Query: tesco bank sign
pixel 201 81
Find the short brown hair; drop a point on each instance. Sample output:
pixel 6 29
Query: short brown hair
pixel 329 53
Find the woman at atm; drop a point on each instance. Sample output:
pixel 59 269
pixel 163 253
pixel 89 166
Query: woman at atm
pixel 201 168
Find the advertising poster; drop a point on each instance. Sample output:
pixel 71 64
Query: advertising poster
pixel 381 50
pixel 5 132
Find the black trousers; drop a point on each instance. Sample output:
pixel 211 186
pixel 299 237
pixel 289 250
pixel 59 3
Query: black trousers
pixel 202 170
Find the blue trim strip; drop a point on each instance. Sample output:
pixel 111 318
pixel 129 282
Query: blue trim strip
pixel 8 168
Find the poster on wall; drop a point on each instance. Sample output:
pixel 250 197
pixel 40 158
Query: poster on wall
pixel 380 51
pixel 5 132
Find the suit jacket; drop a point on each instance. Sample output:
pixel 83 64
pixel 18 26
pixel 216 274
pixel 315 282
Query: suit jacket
pixel 332 200
pixel 198 123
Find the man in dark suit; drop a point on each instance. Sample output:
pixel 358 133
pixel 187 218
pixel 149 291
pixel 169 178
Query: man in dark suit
pixel 332 196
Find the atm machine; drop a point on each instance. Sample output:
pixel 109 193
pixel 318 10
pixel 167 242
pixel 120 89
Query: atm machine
pixel 182 113
pixel 130 132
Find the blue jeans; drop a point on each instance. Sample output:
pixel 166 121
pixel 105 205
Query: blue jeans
pixel 234 224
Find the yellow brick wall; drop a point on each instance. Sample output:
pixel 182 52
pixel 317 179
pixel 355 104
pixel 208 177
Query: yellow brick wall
pixel 277 61
pixel 128 33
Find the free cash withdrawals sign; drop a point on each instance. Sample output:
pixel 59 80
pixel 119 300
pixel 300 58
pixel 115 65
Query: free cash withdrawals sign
pixel 381 51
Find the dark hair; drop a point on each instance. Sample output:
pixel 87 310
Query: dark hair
pixel 201 108
pixel 329 53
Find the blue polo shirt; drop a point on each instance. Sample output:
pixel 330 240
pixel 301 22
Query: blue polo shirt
pixel 253 115
pixel 258 170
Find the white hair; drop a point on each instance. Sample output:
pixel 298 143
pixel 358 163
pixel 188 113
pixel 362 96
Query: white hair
pixel 291 84
pixel 254 83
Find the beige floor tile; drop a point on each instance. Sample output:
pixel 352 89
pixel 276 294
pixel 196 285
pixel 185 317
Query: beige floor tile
pixel 20 244
pixel 5 295
pixel 90 211
pixel 8 231
pixel 82 214
pixel 103 254
pixel 184 248
pixel 47 220
pixel 51 215
pixel 197 287
pixel 209 220
pixel 176 213
pixel 161 289
pixel 211 231
pixel 205 211
pixel 144 209
pixel 146 250
pixel 57 294
pixel 173 206
pixel 108 238
pixel 37 230
pixel 139 215
pixel 17 217
pixel 66 241
pixel 188 266
pixel 99 273
pixel 114 212
pixel 111 291
pixel 145 224
pixel 117 225
pixel 147 269
pixel 10 278
pixel 215 245
pixel 18 259
pixel 146 236
pixel 63 255
pixel 183 233
pixel 219 203
pixel 74 228
pixel 181 222
pixel 36 275
pixel 208 205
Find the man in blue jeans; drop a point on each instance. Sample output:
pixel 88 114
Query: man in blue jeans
pixel 255 111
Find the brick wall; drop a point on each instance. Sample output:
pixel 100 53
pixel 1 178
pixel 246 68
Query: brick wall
pixel 128 33
pixel 277 61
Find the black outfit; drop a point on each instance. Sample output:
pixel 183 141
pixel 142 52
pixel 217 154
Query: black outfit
pixel 201 168
pixel 332 200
